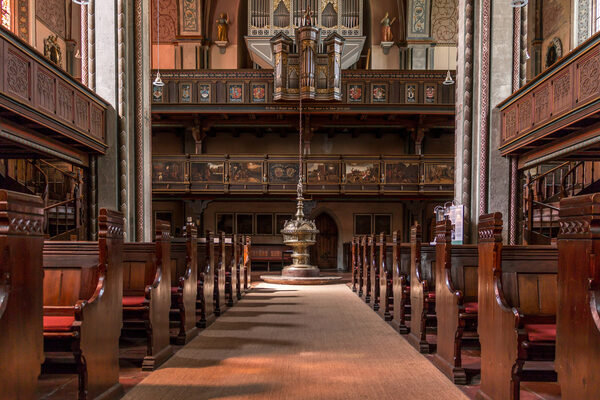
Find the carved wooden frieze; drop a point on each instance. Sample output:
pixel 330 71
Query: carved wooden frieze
pixel 37 89
pixel 563 95
pixel 17 74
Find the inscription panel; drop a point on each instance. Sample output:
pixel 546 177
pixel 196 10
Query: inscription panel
pixel 588 82
pixel 17 74
pixel 525 113
pixel 45 92
pixel 542 98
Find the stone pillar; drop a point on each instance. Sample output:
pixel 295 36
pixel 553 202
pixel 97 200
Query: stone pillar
pixel 142 120
pixel 478 161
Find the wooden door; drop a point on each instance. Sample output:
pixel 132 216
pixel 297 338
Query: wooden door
pixel 324 252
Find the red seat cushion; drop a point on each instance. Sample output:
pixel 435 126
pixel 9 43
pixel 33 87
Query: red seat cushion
pixel 58 323
pixel 431 295
pixel 132 301
pixel 541 332
pixel 471 308
pixel 174 289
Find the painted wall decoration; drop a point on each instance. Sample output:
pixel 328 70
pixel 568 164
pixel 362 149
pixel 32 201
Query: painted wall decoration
pixel 418 17
pixel 362 173
pixel 320 173
pixel 168 21
pixel 23 20
pixel 168 171
pixel 245 172
pixel 235 92
pixel 204 93
pixel 185 91
pixel 430 93
pixel 439 173
pixel 355 93
pixel 283 173
pixel 190 15
pixel 411 93
pixel 259 92
pixel 53 14
pixel 583 20
pixel 379 93
pixel 207 172
pixel 402 172
pixel 444 18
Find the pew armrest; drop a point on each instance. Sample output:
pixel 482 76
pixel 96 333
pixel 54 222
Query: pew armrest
pixel 448 279
pixel 594 307
pixel 418 272
pixel 99 287
pixel 4 292
pixel 501 300
pixel 154 285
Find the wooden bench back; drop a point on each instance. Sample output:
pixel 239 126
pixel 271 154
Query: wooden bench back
pixel 70 272
pixel 140 264
pixel 529 278
pixel 178 259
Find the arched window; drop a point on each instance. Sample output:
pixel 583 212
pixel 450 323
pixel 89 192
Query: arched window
pixel 7 14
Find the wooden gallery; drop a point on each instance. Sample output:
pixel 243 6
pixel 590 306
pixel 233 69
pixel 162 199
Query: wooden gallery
pixel 299 199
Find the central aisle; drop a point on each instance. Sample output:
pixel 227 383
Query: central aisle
pixel 297 342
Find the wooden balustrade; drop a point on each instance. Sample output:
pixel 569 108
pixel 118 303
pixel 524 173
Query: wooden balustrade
pixel 34 88
pixel 370 175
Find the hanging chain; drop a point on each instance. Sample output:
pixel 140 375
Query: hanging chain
pixel 300 138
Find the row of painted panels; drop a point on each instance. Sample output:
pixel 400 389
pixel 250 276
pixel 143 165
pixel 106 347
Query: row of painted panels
pixel 317 172
pixel 258 93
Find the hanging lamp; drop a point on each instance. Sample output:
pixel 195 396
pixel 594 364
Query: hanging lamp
pixel 448 81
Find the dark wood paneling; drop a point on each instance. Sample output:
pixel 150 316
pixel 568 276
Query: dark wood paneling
pixel 578 320
pixel 21 338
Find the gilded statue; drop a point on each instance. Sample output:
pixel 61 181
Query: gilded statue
pixel 52 50
pixel 308 16
pixel 222 27
pixel 386 28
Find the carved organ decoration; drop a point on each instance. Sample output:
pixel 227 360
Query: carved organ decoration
pixel 268 18
pixel 309 74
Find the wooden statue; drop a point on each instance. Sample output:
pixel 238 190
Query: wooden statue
pixel 222 28
pixel 386 28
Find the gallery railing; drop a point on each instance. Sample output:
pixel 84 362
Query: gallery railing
pixel 556 100
pixel 255 88
pixel 375 175
pixel 35 88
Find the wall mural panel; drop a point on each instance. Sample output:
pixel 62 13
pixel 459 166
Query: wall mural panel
pixel 439 173
pixel 362 173
pixel 320 172
pixel 402 172
pixel 168 21
pixel 419 18
pixel 245 172
pixel 190 15
pixel 53 14
pixel 207 172
pixel 444 18
pixel 286 173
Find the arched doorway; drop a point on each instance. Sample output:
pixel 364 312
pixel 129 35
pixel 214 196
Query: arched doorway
pixel 324 252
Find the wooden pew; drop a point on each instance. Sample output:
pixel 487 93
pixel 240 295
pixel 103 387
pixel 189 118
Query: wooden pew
pixel 368 260
pixel 147 294
pixel 205 304
pixel 269 253
pixel 422 291
pixel 456 301
pixel 219 293
pixel 578 318
pixel 184 283
pixel 21 280
pixel 83 288
pixel 354 263
pixel 517 311
pixel 238 256
pixel 247 263
pixel 361 251
pixel 375 270
pixel 384 265
pixel 401 285
pixel 231 271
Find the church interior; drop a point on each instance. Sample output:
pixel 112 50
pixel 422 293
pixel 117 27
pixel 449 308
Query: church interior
pixel 299 199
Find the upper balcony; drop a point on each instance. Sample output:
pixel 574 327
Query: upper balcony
pixel 555 114
pixel 49 109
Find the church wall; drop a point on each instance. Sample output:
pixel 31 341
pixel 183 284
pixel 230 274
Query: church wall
pixel 556 23
pixel 342 213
